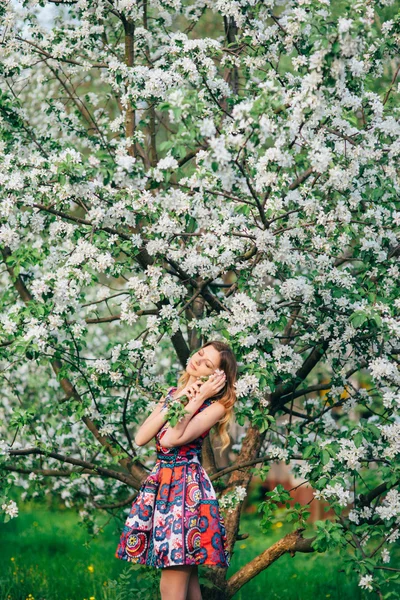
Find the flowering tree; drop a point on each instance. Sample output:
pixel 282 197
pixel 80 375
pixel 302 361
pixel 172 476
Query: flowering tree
pixel 177 171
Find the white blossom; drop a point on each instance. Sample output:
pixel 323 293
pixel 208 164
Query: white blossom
pixel 10 508
pixel 366 582
pixel 390 506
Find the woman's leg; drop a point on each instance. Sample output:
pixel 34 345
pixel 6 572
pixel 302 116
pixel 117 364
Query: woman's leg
pixel 194 592
pixel 174 582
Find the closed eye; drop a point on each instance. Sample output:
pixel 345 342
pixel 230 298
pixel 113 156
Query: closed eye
pixel 208 364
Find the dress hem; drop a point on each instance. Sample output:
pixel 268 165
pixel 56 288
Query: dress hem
pixel 144 564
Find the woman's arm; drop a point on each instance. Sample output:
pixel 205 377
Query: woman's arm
pixel 152 424
pixel 189 428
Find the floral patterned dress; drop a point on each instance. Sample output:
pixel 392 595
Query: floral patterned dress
pixel 175 517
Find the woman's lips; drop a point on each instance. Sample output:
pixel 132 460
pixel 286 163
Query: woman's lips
pixel 192 366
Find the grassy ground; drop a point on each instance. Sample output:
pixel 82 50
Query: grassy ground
pixel 43 556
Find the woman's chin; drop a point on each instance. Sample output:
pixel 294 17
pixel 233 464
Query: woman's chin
pixel 192 372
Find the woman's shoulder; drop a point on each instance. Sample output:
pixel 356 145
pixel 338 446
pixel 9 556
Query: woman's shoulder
pixel 218 407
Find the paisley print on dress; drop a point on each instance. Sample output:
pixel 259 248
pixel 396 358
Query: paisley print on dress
pixel 175 518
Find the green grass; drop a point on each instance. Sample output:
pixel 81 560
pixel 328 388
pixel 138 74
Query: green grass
pixel 43 553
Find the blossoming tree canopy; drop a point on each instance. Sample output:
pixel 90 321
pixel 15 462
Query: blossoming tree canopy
pixel 179 171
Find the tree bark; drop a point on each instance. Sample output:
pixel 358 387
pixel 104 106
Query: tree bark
pixel 129 27
pixel 250 448
pixel 292 543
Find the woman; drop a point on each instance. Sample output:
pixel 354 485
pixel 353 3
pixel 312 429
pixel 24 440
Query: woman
pixel 174 522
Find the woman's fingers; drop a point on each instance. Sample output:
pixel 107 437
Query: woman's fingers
pixel 217 381
pixel 194 388
pixel 222 380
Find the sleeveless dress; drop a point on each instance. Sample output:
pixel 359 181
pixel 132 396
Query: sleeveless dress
pixel 175 518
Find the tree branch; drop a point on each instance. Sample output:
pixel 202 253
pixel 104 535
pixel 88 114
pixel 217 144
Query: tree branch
pixel 128 479
pixel 285 389
pixel 292 543
pixel 125 502
pixel 43 52
pixel 248 463
pixel 129 27
pixel 137 473
pixel 366 499
pixel 47 472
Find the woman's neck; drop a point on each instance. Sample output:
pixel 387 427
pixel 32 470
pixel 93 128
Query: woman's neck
pixel 191 380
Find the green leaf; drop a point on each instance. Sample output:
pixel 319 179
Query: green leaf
pixel 376 432
pixel 358 318
pixel 325 457
pixel 308 451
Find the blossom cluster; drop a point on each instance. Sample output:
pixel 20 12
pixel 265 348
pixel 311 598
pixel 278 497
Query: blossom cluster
pixel 230 500
pixel 184 186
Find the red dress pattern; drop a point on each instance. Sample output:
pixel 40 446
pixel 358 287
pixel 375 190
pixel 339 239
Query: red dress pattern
pixel 175 518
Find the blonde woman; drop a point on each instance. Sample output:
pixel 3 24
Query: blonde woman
pixel 175 522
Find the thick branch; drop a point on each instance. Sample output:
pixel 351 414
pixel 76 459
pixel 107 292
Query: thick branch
pixel 129 27
pixel 231 31
pixel 292 543
pixel 295 184
pixel 250 448
pixel 181 347
pixel 366 499
pixel 285 389
pixel 208 297
pixel 208 458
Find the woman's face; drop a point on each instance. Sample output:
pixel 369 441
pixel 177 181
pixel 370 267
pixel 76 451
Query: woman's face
pixel 203 362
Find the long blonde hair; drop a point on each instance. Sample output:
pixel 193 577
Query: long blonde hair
pixel 226 396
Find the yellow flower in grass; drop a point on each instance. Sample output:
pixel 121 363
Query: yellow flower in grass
pixel 91 569
pixel 278 524
pixel 12 558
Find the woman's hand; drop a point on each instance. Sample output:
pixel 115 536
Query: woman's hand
pixel 213 385
pixel 192 390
